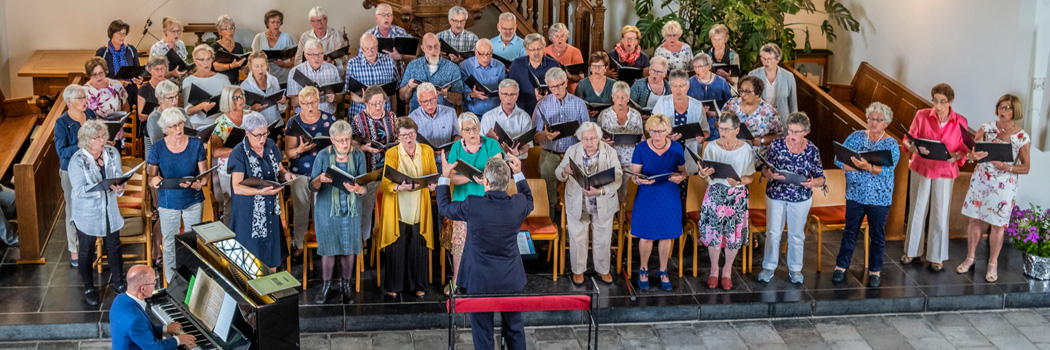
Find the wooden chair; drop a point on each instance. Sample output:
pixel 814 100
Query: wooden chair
pixel 540 225
pixel 624 222
pixel 828 211
pixel 693 202
pixel 756 213
pixel 135 208
pixel 531 164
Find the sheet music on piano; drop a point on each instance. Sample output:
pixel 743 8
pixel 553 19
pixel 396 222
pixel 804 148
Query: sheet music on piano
pixel 206 300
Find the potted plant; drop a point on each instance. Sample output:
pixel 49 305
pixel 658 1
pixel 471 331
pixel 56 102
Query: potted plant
pixel 752 23
pixel 1029 229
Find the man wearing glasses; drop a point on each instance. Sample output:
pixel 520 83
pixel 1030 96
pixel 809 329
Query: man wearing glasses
pixel 556 107
pixel 371 67
pixel 508 44
pixel 437 123
pixel 330 38
pixel 457 35
pixel 434 69
pixel 515 121
pixel 320 72
pixel 485 71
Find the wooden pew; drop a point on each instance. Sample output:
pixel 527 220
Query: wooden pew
pixel 837 113
pixel 17 119
pixel 38 189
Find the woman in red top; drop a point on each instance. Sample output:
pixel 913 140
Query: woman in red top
pixel 932 180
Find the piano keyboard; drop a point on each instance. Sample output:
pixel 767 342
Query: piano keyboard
pixel 168 313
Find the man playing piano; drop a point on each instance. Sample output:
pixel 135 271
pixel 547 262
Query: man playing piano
pixel 129 320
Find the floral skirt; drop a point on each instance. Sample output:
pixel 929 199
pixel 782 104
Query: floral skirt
pixel 454 236
pixel 723 217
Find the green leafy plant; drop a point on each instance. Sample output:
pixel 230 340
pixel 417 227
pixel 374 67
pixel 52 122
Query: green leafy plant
pixel 752 23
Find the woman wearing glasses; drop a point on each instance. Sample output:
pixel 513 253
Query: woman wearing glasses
pixel 258 228
pixel 758 116
pixel 205 79
pixel 226 29
pixel 232 105
pixel 274 39
pixel 375 124
pixel 170 41
pixel 300 155
pixel 778 85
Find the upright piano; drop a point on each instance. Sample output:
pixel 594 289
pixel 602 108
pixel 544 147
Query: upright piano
pixel 258 322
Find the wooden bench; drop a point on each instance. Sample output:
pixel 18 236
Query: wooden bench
pixel 838 112
pixel 17 119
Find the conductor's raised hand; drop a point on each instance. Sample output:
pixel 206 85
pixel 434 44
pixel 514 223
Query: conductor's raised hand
pixel 515 164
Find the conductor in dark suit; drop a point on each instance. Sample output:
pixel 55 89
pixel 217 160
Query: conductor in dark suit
pixel 491 261
pixel 129 320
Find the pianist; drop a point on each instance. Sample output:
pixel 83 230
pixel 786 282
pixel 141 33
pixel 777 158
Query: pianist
pixel 129 319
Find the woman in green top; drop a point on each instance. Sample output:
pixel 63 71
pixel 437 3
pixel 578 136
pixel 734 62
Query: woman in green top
pixel 475 150
pixel 597 88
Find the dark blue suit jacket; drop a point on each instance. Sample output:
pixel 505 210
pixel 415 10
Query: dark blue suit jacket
pixel 491 261
pixel 131 328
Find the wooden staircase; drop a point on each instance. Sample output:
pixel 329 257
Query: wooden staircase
pixel 587 21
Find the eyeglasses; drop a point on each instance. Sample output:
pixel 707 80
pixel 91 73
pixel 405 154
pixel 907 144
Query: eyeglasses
pixel 262 135
pixel 508 94
pixel 589 139
pixel 209 59
pixel 228 28
pixel 660 131
pixel 602 66
pixel 407 135
pixel 99 74
pixel 472 129
pixel 742 91
pixel 313 54
pixel 385 14
pixel 429 100
pixel 174 31
pixel 723 130
pixel 178 125
pixel 172 98
pixel 458 21
pixel 534 49
pixel 877 120
pixel 630 38
pixel 376 103
pixel 308 103
pixel 341 140
pixel 1006 107
pixel 796 132
pixel 238 97
pixel 941 102
pixel 316 21
pixel 483 54
pixel 557 86
pixel 656 71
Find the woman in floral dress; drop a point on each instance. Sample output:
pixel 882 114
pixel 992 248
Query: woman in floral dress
pixel 723 215
pixel 678 54
pixel 760 117
pixel 993 185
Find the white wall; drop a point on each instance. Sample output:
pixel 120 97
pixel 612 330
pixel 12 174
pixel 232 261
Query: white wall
pixel 5 84
pixel 983 49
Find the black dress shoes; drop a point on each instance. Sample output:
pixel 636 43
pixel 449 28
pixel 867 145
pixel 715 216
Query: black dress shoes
pixel 91 297
pixel 322 295
pixel 838 276
pixel 121 288
pixel 347 292
pixel 874 281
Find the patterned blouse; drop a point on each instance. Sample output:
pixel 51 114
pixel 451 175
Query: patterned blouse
pixel 106 100
pixel 609 123
pixel 379 130
pixel 683 59
pixel 763 121
pixel 864 187
pixel 806 164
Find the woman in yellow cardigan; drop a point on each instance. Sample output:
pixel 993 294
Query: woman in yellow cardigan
pixel 405 208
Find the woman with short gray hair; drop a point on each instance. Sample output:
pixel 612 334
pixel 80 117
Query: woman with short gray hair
pixel 258 228
pixel 475 150
pixel 67 128
pixel 226 28
pixel 590 207
pixel 622 119
pixel 96 213
pixel 176 156
pixel 167 96
pixel 564 53
pixel 205 79
pixel 705 85
pixel 779 84
pixel 677 52
pixel 231 102
pixel 869 192
pixel 158 72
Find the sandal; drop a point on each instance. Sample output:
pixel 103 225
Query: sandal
pixel 936 267
pixel 965 266
pixel 450 287
pixel 993 273
pixel 905 260
pixel 663 275
pixel 643 284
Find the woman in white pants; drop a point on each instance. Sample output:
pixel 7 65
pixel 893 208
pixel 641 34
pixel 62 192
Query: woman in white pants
pixel 176 156
pixel 931 182
pixel 590 206
pixel 787 201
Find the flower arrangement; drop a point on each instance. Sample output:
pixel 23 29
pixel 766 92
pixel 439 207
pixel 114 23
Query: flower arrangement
pixel 1029 229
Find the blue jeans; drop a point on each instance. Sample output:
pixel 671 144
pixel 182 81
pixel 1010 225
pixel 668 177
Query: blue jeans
pixel 855 213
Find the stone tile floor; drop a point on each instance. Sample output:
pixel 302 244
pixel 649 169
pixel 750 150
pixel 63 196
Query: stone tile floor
pixel 1001 329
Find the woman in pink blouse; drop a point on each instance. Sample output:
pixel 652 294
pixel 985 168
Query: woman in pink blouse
pixel 932 180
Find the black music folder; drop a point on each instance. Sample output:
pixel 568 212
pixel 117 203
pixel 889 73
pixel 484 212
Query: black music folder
pixel 646 177
pixel 251 98
pixel 576 69
pixel 445 147
pixel 340 177
pixel 375 144
pixel 967 137
pixel 1003 152
pixel 566 129
pixel 642 110
pixel 260 183
pixel 597 106
pixel 733 70
pixel 174 183
pixel 399 178
pixel 599 179
pixel 627 74
pixel 465 169
pixel 711 106
pixel 104 184
pixel 475 85
pixel 149 107
pixel 357 87
pixel 223 56
pixel 280 54
pixel 446 48
pixel 204 132
pixel 789 177
pixel 178 63
pixel 722 170
pixel 236 136
pixel 506 62
pixel 541 86
pixel 879 157
pixel 199 95
pixel 404 45
pixel 114 126
pixel 129 72
pixel 744 133
pixel 937 149
pixel 338 53
pixel 326 89
pixel 689 131
pixel 504 137
pixel 622 139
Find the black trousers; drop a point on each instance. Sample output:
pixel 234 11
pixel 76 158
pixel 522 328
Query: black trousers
pixel 512 327
pixel 86 259
pixel 406 261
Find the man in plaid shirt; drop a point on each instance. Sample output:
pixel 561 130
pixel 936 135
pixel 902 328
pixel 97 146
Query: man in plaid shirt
pixel 369 68
pixel 456 35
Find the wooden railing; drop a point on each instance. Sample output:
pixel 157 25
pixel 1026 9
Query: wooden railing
pixel 38 189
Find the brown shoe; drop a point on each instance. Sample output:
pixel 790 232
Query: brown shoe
pixel 606 278
pixel 577 279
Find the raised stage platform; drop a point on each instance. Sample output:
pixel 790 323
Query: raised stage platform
pixel 46 301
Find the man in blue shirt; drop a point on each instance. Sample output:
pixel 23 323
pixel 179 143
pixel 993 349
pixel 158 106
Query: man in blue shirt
pixel 535 62
pixel 508 44
pixel 486 71
pixel 369 68
pixel 434 69
pixel 557 107
pixel 437 123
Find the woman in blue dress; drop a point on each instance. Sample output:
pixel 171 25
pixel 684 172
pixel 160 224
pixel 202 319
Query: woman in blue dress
pixel 258 225
pixel 337 209
pixel 658 206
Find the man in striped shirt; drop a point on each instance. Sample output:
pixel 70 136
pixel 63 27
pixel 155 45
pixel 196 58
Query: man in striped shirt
pixel 320 72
